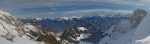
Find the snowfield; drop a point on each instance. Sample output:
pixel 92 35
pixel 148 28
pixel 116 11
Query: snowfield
pixel 17 40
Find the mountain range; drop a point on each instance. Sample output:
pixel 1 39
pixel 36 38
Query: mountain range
pixel 100 29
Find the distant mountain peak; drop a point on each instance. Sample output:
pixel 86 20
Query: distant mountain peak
pixel 69 18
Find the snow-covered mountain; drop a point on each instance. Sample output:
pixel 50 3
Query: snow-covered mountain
pixel 139 35
pixel 103 29
pixel 14 31
pixel 60 24
pixel 142 35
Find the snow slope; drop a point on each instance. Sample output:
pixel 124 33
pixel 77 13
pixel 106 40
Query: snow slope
pixel 17 40
pixel 142 34
pixel 13 31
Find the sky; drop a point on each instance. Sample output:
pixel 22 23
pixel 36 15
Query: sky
pixel 59 8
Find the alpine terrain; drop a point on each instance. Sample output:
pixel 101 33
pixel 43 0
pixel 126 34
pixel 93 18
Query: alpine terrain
pixel 101 29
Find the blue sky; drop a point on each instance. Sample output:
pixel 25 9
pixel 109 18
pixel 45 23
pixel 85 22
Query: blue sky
pixel 59 8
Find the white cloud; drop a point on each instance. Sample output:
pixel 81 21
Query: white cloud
pixel 100 10
pixel 74 12
pixel 18 4
pixel 39 15
pixel 50 3
pixel 12 5
pixel 122 2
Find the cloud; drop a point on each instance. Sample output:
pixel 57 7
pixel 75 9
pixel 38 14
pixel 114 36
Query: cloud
pixel 17 4
pixel 100 10
pixel 13 5
pixel 122 2
pixel 39 15
pixel 42 3
pixel 74 13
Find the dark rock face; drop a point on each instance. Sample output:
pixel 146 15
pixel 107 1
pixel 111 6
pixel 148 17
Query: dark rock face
pixel 140 12
pixel 48 39
pixel 137 17
pixel 71 34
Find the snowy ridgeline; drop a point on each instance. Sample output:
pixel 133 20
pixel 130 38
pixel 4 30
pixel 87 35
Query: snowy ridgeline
pixel 12 30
